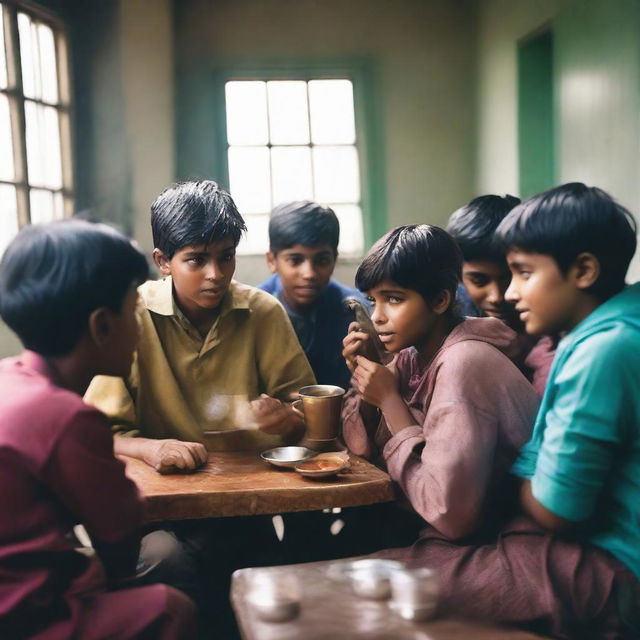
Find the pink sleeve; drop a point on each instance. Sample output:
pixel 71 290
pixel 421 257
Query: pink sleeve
pixel 444 467
pixel 354 431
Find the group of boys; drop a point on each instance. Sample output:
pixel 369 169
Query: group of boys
pixel 213 353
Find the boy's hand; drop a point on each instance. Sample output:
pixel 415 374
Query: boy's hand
pixel 170 456
pixel 351 345
pixel 276 418
pixel 376 383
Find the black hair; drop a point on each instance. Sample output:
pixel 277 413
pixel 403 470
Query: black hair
pixel 304 222
pixel 473 227
pixel 192 213
pixel 417 256
pixel 572 219
pixel 53 276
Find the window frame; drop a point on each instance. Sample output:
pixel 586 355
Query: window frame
pixel 17 100
pixel 361 73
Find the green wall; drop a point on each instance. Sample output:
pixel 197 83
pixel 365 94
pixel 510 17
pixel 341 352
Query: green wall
pixel 596 96
pixel 536 145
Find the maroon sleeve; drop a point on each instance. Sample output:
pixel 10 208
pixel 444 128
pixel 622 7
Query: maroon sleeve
pixel 86 477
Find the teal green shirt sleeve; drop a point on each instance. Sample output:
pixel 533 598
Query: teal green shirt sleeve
pixel 584 425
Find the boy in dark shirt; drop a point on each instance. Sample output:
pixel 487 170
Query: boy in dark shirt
pixel 303 241
pixel 69 291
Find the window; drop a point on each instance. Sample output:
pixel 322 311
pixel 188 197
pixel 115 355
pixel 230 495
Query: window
pixel 294 140
pixel 35 145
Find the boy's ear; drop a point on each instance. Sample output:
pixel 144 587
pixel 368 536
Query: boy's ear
pixel 100 326
pixel 585 270
pixel 162 262
pixel 441 302
pixel 271 261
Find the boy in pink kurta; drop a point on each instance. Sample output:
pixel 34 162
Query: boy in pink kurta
pixel 68 290
pixel 473 411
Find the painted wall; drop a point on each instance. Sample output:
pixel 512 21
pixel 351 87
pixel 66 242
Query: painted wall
pixel 596 78
pixel 422 52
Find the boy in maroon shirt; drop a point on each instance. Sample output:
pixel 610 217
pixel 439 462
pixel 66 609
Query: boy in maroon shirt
pixel 68 290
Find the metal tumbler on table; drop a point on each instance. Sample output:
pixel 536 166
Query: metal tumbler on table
pixel 322 408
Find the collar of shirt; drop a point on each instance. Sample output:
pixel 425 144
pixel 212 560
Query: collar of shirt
pixel 158 298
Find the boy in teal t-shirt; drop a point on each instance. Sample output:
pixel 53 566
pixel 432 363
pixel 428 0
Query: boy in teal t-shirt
pixel 571 567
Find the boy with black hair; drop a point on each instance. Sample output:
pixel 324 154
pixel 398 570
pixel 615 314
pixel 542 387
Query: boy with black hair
pixel 68 291
pixel 486 276
pixel 208 343
pixel 573 570
pixel 303 248
pixel 214 356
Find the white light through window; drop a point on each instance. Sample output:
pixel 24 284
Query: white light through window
pixel 293 140
pixel 35 168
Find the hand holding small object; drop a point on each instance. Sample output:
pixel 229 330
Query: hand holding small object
pixel 275 417
pixel 375 382
pixel 352 345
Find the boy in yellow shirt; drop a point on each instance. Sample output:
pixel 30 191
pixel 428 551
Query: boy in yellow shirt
pixel 214 355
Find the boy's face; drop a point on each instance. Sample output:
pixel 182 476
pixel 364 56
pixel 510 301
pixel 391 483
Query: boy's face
pixel 304 272
pixel 486 282
pixel 201 274
pixel 400 316
pixel 548 301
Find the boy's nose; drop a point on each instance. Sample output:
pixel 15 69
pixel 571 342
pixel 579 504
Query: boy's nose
pixel 511 294
pixel 494 294
pixel 307 269
pixel 214 272
pixel 377 317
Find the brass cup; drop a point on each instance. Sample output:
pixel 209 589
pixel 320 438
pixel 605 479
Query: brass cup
pixel 322 407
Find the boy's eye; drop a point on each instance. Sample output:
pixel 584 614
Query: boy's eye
pixel 370 300
pixel 228 257
pixel 479 281
pixel 394 299
pixel 323 261
pixel 294 260
pixel 195 260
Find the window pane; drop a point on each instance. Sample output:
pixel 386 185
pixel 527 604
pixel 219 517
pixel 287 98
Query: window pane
pixel 332 118
pixel 6 144
pixel 257 238
pixel 8 215
pixel 246 113
pixel 48 64
pixel 30 56
pixel 351 231
pixel 3 55
pixel 43 146
pixel 291 170
pixel 250 180
pixel 337 178
pixel 288 112
pixel 45 206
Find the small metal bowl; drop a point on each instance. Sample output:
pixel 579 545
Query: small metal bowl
pixel 287 456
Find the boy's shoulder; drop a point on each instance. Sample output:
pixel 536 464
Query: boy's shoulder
pixel 611 333
pixel 34 412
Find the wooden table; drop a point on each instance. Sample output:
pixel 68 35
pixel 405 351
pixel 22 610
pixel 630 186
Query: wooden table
pixel 241 484
pixel 330 611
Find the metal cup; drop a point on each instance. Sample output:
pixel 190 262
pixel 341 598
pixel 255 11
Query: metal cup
pixel 322 407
